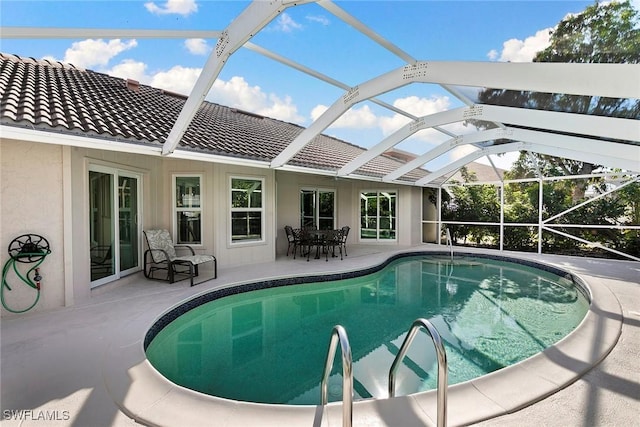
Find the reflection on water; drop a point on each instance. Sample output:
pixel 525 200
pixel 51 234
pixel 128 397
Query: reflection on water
pixel 270 345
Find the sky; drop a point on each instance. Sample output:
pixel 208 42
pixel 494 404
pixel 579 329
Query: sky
pixel 429 30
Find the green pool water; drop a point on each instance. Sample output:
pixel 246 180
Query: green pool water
pixel 269 345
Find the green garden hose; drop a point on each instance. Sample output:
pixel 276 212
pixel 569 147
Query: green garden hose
pixel 32 282
pixel 28 248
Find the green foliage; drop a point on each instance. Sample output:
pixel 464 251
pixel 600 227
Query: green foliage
pixel 473 203
pixel 602 33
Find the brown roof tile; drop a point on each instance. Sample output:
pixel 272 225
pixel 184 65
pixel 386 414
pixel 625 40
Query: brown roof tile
pixel 51 96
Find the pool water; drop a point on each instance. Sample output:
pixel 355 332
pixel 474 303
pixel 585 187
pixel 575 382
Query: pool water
pixel 270 345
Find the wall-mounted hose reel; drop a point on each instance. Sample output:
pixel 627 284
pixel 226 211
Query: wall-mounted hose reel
pixel 25 249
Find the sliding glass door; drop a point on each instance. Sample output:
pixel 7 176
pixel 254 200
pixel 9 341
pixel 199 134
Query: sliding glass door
pixel 113 211
pixel 317 208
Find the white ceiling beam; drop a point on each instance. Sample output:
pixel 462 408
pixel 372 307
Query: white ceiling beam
pixel 296 66
pixel 571 123
pixel 462 97
pixel 251 20
pixel 577 79
pixel 344 16
pixel 354 95
pixel 551 150
pixel 441 118
pixel 278 58
pixel 593 149
pixel 621 80
pixel 84 33
pixel 440 149
pixel 582 124
pixel 453 166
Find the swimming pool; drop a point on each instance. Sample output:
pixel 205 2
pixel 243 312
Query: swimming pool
pixel 269 345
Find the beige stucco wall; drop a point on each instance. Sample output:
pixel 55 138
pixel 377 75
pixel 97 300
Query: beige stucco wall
pixel 45 190
pixel 31 202
pixel 153 204
pixel 289 185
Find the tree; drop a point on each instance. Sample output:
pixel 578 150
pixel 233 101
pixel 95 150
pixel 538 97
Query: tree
pixel 602 33
pixel 473 203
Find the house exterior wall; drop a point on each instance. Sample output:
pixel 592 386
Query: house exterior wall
pixel 45 190
pixel 348 192
pixel 31 202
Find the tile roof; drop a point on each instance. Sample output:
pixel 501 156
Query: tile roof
pixel 56 97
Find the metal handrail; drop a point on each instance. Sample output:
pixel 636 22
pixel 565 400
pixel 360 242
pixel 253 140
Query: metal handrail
pixel 339 334
pixel 450 243
pixel 442 365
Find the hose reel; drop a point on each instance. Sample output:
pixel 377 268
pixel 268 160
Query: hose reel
pixel 25 249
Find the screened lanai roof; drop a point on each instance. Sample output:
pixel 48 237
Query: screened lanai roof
pixel 493 128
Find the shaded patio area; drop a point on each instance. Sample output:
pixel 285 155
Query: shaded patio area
pixel 54 362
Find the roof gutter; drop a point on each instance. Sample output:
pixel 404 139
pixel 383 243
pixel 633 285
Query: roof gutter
pixel 59 138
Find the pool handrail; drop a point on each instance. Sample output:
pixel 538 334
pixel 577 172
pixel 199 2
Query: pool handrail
pixel 340 334
pixel 442 365
pixel 449 243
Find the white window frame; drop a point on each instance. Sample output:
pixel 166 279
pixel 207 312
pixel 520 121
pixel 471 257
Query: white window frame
pixel 262 210
pixel 377 238
pixel 175 209
pixel 316 213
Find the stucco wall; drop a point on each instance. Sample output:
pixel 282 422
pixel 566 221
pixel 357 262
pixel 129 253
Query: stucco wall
pixel 45 191
pixel 31 199
pixel 289 185
pixel 153 205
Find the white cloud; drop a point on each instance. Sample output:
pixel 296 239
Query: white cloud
pixel 197 46
pixel 320 19
pixel 281 109
pixel 286 24
pixel 237 93
pixel 178 7
pixel 92 53
pixel 461 150
pixel 354 118
pixel 515 50
pixel 130 69
pixel 492 55
pixel 364 118
pixel 177 79
pixel 414 105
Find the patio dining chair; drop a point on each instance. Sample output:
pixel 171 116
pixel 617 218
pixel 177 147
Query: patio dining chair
pixel 293 239
pixel 344 233
pixel 333 240
pixel 162 257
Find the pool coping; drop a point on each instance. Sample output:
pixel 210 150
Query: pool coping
pixel 147 397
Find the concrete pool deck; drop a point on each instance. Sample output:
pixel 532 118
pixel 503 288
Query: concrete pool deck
pixel 70 364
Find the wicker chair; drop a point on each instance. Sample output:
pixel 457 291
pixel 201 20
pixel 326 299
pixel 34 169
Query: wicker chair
pixel 161 257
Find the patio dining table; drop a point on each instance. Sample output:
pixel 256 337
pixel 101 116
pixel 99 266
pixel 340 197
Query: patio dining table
pixel 318 239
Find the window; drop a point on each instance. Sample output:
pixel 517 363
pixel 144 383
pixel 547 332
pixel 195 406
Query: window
pixel 247 212
pixel 378 215
pixel 317 208
pixel 188 209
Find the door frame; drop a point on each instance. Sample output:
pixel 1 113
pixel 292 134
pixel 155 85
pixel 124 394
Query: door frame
pixel 116 173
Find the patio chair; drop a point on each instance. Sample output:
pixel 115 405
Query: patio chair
pixel 161 256
pixel 293 239
pixel 345 233
pixel 333 240
pixel 101 259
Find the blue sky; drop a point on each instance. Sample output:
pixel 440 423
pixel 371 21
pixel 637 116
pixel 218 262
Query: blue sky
pixel 308 34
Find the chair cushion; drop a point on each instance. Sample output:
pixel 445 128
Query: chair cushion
pixel 160 239
pixel 194 259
